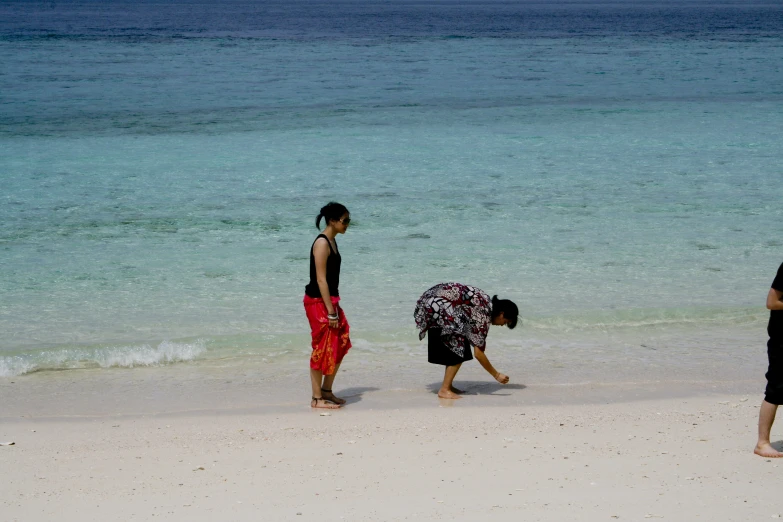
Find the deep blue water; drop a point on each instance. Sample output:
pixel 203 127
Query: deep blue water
pixel 382 20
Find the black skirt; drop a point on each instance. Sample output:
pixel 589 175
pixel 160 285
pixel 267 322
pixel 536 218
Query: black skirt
pixel 439 352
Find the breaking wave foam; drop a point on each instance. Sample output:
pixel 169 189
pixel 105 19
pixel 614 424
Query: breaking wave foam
pixel 166 352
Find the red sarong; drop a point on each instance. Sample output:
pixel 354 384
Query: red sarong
pixel 329 344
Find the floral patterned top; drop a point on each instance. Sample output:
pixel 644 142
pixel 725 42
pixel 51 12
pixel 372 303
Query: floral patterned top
pixel 462 313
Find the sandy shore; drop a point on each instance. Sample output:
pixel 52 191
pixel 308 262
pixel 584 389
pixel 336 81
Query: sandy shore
pixel 674 459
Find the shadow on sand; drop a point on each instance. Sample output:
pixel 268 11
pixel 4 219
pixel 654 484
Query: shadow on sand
pixel 354 395
pixel 478 387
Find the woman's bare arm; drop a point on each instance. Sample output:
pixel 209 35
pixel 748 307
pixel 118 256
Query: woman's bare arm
pixel 484 361
pixel 775 299
pixel 321 253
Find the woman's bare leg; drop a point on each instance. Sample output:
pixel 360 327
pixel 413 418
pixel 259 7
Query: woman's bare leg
pixel 766 418
pixel 327 385
pixel 448 378
pixel 318 401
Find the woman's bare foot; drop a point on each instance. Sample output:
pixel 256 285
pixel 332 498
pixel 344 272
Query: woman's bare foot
pixel 456 390
pixel 448 394
pixel 321 402
pixel 329 396
pixel 766 450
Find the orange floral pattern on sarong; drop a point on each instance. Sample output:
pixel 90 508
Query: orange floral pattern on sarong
pixel 329 344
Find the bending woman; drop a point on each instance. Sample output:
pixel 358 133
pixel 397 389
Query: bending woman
pixel 456 317
pixel 322 305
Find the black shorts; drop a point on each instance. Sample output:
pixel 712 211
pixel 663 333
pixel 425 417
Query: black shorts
pixel 774 391
pixel 439 352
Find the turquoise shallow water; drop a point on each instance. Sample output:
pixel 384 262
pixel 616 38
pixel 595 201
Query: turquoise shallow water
pixel 159 192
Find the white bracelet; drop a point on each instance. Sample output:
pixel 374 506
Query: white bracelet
pixel 333 316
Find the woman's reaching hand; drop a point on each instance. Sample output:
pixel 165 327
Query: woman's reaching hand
pixel 501 378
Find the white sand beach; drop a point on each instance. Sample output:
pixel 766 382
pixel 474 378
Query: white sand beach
pixel 680 458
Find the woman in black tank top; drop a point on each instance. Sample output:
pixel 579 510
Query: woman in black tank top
pixel 329 328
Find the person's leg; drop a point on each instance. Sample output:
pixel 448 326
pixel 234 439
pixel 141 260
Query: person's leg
pixel 448 378
pixel 341 340
pixel 326 389
pixel 467 355
pixel 772 397
pixel 766 418
pixel 316 316
pixel 318 400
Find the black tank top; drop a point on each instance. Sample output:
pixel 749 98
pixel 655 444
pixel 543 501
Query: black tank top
pixel 332 271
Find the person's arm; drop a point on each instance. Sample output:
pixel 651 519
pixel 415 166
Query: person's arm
pixel 321 253
pixel 482 359
pixel 774 299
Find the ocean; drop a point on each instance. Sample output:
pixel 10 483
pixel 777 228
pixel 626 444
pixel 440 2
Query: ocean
pixel 612 167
